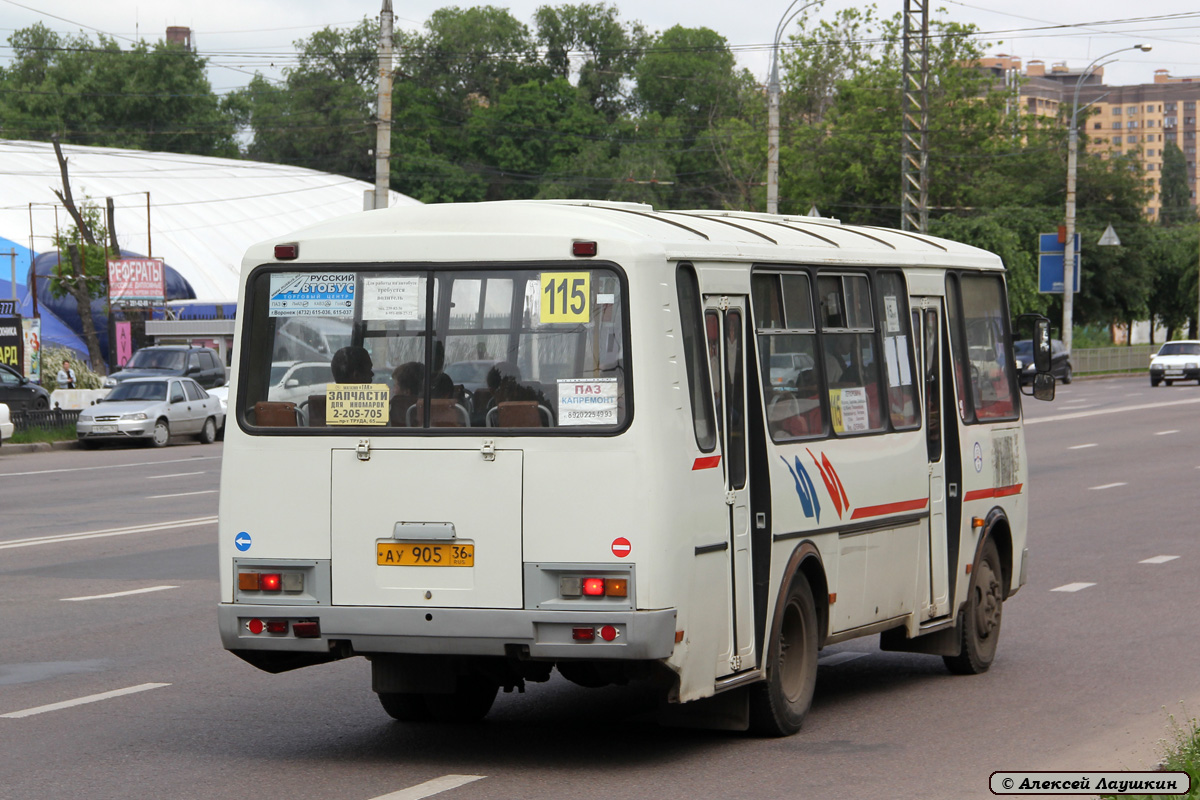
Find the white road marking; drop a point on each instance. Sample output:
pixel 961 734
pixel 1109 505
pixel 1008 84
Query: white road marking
pixel 175 475
pixel 1083 446
pixel 71 537
pixel 1166 433
pixel 1072 587
pixel 119 594
pixel 1158 560
pixel 1122 410
pixel 111 466
pixel 1105 486
pixel 429 788
pixel 181 494
pixel 93 698
pixel 837 658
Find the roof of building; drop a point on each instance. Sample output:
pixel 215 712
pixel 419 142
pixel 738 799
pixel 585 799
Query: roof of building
pixel 199 214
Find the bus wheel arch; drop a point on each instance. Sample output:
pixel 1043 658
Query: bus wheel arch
pixel 779 705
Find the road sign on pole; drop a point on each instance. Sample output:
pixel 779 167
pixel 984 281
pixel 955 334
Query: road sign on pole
pixel 1050 264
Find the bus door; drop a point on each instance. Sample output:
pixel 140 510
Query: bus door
pixel 726 320
pixel 932 356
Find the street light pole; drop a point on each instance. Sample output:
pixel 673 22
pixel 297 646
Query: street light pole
pixel 773 107
pixel 1072 160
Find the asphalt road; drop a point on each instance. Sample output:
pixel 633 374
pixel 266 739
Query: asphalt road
pixel 1084 679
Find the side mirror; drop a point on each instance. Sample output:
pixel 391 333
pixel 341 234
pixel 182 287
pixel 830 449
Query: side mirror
pixel 1041 345
pixel 192 370
pixel 292 383
pixel 1043 386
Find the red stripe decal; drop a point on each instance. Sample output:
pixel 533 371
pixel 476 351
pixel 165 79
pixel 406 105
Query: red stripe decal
pixel 1003 491
pixel 706 462
pixel 890 508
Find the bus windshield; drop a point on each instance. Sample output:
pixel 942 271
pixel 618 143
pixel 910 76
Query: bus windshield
pixel 447 348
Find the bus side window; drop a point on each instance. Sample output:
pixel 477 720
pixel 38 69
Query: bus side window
pixel 897 350
pixel 695 360
pixel 787 344
pixel 849 355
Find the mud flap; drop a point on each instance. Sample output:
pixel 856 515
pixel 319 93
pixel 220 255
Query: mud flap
pixel 946 642
pixel 727 711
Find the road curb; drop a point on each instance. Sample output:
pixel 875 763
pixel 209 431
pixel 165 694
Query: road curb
pixel 37 447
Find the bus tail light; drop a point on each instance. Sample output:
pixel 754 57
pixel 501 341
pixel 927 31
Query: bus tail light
pixel 608 633
pixel 593 587
pixel 291 582
pixel 616 587
pixel 309 629
pixel 277 626
pixel 583 634
pixel 572 586
pixel 270 582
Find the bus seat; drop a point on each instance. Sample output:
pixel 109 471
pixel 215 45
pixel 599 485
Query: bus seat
pixel 400 410
pixel 521 414
pixel 316 410
pixel 443 413
pixel 275 414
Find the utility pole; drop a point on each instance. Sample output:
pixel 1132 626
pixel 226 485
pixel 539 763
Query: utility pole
pixel 914 112
pixel 383 130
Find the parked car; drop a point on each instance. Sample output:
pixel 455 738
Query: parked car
pixel 161 361
pixel 222 395
pixel 311 338
pixel 1060 361
pixel 6 426
pixel 20 393
pixel 1176 361
pixel 296 380
pixel 786 368
pixel 152 410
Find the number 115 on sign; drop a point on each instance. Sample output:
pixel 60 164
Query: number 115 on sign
pixel 565 297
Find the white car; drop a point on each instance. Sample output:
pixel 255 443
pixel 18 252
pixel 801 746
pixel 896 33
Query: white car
pixel 222 395
pixel 152 410
pixel 1176 361
pixel 6 426
pixel 295 381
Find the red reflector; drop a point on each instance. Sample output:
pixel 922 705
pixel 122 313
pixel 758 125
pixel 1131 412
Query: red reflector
pixel 608 633
pixel 255 626
pixel 593 587
pixel 583 248
pixel 271 582
pixel 287 252
pixel 277 626
pixel 583 634
pixel 307 630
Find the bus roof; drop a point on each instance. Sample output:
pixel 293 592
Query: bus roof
pixel 545 229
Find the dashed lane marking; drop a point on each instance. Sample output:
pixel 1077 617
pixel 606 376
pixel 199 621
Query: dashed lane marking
pixel 175 475
pixel 1072 587
pixel 92 698
pixel 1166 433
pixel 430 788
pixel 1158 560
pixel 71 537
pixel 1104 486
pixel 1083 446
pixel 147 590
pixel 180 494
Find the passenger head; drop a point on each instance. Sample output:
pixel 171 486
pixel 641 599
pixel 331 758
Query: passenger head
pixel 408 377
pixel 443 386
pixel 352 364
pixel 500 371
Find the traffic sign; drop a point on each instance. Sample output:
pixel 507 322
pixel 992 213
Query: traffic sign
pixel 621 547
pixel 1050 264
pixel 242 541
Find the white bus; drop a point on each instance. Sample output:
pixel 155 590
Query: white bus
pixel 556 441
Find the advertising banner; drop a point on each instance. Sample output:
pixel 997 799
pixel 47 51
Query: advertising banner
pixel 124 336
pixel 32 328
pixel 12 343
pixel 137 282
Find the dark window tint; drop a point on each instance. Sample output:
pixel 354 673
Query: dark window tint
pixel 695 360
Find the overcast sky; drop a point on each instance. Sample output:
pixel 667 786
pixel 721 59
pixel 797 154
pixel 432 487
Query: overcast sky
pixel 242 36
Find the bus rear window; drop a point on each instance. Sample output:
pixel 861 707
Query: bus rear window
pixel 393 350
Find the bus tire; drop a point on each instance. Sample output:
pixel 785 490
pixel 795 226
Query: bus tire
pixel 981 615
pixel 470 701
pixel 779 705
pixel 405 706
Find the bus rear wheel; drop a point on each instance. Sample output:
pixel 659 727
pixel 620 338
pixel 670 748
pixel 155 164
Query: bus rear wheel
pixel 981 615
pixel 779 705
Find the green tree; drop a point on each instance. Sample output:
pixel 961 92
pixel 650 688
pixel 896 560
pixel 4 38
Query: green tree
pixel 609 49
pixel 148 97
pixel 1176 192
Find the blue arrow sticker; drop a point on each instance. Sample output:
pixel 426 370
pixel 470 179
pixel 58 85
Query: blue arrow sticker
pixel 242 541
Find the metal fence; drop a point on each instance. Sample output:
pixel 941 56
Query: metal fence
pixel 51 419
pixel 1113 359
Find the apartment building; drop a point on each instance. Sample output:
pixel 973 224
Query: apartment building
pixel 1134 120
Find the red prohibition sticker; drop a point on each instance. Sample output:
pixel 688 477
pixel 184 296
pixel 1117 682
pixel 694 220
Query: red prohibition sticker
pixel 621 547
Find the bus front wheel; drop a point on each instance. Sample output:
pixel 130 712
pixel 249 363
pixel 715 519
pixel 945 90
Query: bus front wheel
pixel 981 615
pixel 779 705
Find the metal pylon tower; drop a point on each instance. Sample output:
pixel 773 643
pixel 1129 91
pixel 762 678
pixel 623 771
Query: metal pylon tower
pixel 914 108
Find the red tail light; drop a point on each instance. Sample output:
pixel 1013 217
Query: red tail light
pixel 270 582
pixel 593 587
pixel 583 634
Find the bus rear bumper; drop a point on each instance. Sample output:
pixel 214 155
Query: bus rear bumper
pixel 635 635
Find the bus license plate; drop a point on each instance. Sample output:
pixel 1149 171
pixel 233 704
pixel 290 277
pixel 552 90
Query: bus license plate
pixel 424 554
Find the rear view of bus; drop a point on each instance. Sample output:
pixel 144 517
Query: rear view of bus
pixel 483 443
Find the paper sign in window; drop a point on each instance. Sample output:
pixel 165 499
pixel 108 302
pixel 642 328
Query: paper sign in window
pixel 587 401
pixel 566 297
pixel 311 294
pixel 849 409
pixel 356 403
pixel 391 298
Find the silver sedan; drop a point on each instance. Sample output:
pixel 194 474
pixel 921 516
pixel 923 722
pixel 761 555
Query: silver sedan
pixel 152 410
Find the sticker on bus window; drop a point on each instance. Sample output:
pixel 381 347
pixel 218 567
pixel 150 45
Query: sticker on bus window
pixel 565 297
pixel 391 298
pixel 849 409
pixel 891 307
pixel 311 294
pixel 356 403
pixel 587 401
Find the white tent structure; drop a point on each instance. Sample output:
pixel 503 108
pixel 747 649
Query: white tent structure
pixel 198 214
